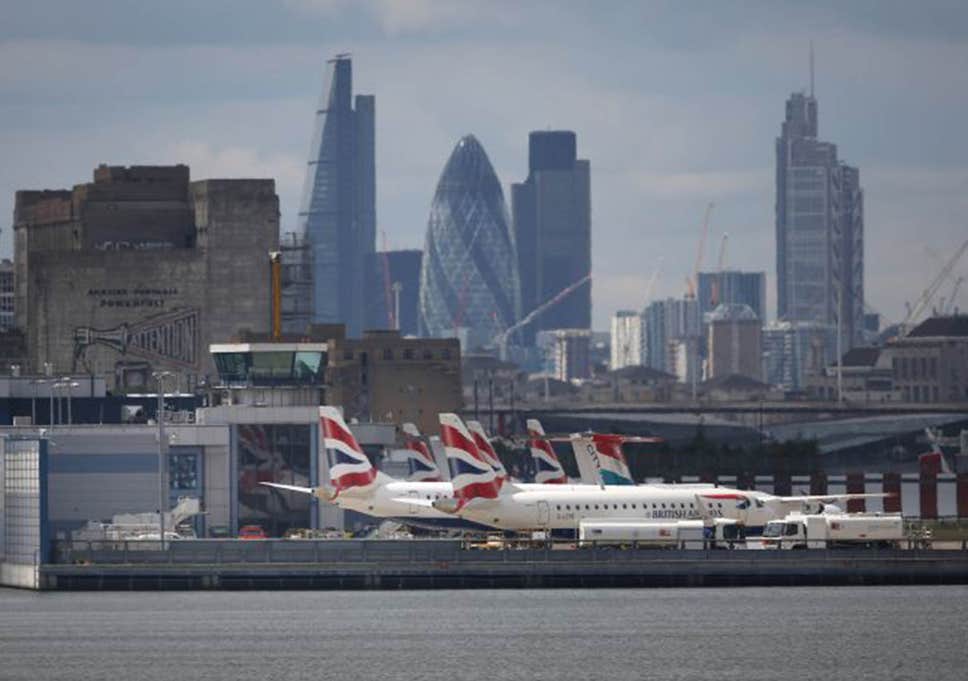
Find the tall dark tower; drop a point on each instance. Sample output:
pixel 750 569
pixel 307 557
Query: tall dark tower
pixel 338 211
pixel 819 228
pixel 551 214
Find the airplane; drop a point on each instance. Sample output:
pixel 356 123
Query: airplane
pixel 478 497
pixel 479 436
pixel 935 459
pixel 354 484
pixel 423 465
pixel 547 467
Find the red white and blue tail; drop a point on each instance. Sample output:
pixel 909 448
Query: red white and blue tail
pixel 349 467
pixel 423 466
pixel 547 467
pixel 471 475
pixel 483 443
pixel 934 461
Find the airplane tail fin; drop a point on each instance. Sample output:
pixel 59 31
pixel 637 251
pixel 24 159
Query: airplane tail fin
pixel 483 443
pixel 471 474
pixel 934 461
pixel 547 467
pixel 606 457
pixel 349 467
pixel 423 466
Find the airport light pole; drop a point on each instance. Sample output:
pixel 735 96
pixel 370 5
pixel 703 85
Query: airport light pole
pixel 160 377
pixel 70 385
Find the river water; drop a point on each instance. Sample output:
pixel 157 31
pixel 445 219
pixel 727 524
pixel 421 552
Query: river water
pixel 748 634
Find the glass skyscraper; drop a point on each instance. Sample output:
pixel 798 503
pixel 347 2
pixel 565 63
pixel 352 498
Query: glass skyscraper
pixel 552 230
pixel 338 211
pixel 819 228
pixel 469 278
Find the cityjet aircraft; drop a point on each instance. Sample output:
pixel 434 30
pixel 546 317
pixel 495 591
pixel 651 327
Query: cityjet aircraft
pixel 478 497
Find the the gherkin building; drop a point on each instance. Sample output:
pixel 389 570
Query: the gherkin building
pixel 469 279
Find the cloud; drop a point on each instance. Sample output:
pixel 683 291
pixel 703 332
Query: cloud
pixel 401 17
pixel 711 184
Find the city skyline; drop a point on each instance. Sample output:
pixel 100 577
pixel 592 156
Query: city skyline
pixel 237 103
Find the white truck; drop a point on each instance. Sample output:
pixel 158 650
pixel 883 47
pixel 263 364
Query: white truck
pixel 833 530
pixel 692 534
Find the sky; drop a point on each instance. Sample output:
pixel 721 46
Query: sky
pixel 675 104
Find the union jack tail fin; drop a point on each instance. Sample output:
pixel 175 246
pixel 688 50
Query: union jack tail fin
pixel 934 461
pixel 606 456
pixel 348 465
pixel 423 466
pixel 470 473
pixel 547 467
pixel 483 443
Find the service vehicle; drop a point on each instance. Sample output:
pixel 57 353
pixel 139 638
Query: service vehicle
pixel 833 530
pixel 690 534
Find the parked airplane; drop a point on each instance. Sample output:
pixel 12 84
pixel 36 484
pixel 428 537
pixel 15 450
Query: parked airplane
pixel 354 483
pixel 547 467
pixel 483 443
pixel 423 465
pixel 477 497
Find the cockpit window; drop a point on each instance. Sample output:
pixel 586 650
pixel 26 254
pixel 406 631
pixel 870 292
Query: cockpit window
pixel 790 530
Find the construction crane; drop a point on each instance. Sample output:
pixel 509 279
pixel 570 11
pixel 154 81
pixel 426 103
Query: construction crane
pixel 501 339
pixel 924 301
pixel 650 287
pixel 693 283
pixel 950 308
pixel 720 267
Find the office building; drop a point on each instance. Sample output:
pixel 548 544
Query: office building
pixel 732 287
pixel 393 302
pixel 338 211
pixel 819 228
pixel 627 340
pixel 7 317
pixel 551 215
pixel 735 345
pixel 570 352
pixel 469 277
pixel 139 270
pixel 670 320
pixel 792 351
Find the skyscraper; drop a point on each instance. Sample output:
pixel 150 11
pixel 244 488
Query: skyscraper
pixel 627 342
pixel 469 280
pixel 732 287
pixel 552 230
pixel 819 227
pixel 338 210
pixel 668 322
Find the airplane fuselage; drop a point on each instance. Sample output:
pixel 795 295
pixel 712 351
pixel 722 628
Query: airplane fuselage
pixel 567 505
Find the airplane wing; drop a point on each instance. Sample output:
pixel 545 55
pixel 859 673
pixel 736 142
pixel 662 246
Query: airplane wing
pixel 832 497
pixel 414 501
pixel 290 488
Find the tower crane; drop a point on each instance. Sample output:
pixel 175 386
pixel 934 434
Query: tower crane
pixel 693 283
pixel 501 339
pixel 720 266
pixel 924 301
pixel 950 307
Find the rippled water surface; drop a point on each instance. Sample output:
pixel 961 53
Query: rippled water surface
pixel 748 634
